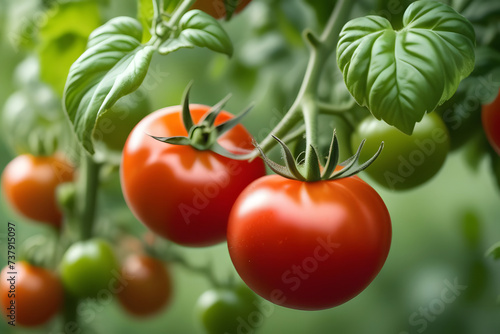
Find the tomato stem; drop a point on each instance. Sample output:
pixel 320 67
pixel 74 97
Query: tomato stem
pixel 321 49
pixel 206 270
pixel 70 313
pixel 88 195
pixel 179 12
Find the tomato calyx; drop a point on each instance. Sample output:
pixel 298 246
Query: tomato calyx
pixel 204 135
pixel 316 172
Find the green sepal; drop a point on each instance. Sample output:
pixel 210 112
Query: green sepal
pixel 204 135
pixel 186 114
pixel 209 118
pixel 228 125
pixel 230 6
pixel 333 157
pixel 292 169
pixel 177 140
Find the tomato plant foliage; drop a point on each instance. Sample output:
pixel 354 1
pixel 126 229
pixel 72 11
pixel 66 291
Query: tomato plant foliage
pixel 401 75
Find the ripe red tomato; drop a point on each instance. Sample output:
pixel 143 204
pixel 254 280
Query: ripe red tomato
pixel 216 8
pixel 308 246
pixel 181 193
pixel 37 294
pixel 491 123
pixel 29 184
pixel 148 289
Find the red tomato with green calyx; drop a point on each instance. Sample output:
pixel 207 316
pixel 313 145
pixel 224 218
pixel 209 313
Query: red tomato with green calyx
pixel 181 193
pixel 309 246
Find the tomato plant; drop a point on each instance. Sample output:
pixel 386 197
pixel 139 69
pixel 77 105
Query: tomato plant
pixel 407 161
pixel 148 287
pixel 225 309
pixel 30 297
pixel 88 267
pixel 309 245
pixel 217 8
pixel 491 123
pixel 29 184
pixel 179 192
pixel 311 237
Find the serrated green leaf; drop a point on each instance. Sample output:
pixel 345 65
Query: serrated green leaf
pixel 401 75
pixel 63 39
pixel 199 29
pixel 114 65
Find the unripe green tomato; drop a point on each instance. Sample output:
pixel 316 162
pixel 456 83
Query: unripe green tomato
pixel 229 310
pixel 406 161
pixel 114 125
pixel 89 267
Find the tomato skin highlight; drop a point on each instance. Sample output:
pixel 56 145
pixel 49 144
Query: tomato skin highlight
pixel 490 117
pixel 180 193
pixel 309 246
pixel 29 184
pixel 38 294
pixel 149 286
pixel 216 8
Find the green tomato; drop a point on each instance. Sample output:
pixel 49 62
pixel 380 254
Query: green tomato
pixel 229 310
pixel 406 161
pixel 88 267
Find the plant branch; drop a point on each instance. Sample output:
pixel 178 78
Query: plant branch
pixel 321 50
pixel 179 12
pixel 88 195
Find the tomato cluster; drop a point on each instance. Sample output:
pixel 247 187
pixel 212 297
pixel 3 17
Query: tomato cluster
pixel 311 237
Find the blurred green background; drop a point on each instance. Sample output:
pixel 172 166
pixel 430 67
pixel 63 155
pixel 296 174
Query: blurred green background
pixel 441 230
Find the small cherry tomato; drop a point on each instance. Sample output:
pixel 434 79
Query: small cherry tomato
pixel 228 310
pixel 88 267
pixel 148 287
pixel 32 296
pixel 29 184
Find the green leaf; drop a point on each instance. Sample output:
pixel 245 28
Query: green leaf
pixel 401 75
pixel 494 251
pixel 33 121
pixel 63 39
pixel 145 13
pixel 114 65
pixel 199 29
